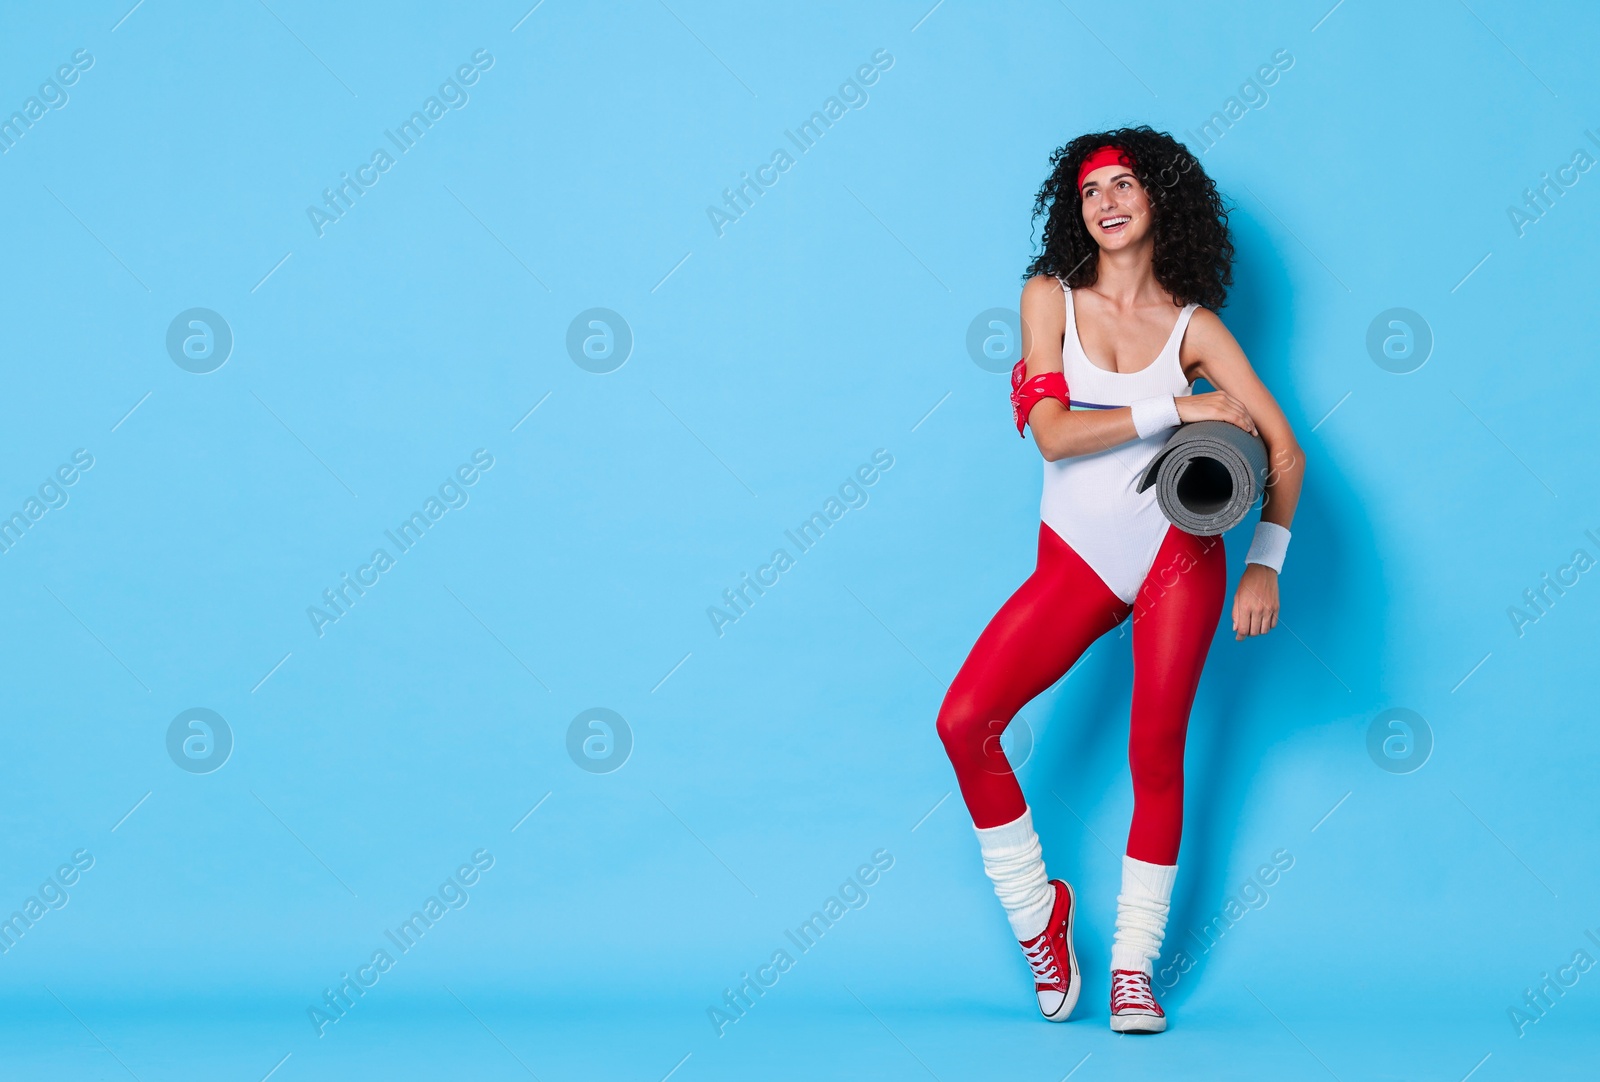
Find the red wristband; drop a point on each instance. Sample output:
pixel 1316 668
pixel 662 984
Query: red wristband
pixel 1025 394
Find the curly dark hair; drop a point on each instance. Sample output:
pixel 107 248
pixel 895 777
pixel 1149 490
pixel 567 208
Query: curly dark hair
pixel 1193 257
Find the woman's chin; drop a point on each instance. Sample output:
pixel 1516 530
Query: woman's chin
pixel 1117 242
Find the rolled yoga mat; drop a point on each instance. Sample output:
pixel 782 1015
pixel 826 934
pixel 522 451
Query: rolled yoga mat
pixel 1207 476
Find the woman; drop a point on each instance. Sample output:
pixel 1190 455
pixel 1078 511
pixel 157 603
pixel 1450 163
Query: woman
pixel 1136 260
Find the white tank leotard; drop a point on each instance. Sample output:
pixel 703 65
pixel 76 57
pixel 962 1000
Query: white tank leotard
pixel 1090 500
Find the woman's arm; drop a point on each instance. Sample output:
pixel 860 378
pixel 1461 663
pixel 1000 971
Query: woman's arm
pixel 1221 362
pixel 1057 431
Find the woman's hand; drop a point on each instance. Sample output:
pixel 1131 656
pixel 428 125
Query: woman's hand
pixel 1215 406
pixel 1255 604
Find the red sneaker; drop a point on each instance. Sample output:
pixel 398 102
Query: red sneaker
pixel 1050 956
pixel 1133 1005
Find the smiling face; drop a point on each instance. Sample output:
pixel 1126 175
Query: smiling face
pixel 1116 207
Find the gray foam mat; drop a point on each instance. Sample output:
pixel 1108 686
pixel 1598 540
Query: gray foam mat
pixel 1207 476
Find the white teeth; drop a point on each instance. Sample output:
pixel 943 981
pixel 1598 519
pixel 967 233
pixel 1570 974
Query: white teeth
pixel 1108 223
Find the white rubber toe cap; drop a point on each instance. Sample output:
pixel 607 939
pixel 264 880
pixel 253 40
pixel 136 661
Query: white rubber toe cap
pixel 1138 1023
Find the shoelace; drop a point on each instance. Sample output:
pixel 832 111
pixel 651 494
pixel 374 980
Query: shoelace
pixel 1131 989
pixel 1041 959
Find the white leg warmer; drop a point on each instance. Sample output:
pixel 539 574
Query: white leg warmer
pixel 1142 913
pixel 1014 861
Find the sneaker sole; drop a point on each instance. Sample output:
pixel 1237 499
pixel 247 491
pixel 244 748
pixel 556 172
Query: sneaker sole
pixel 1064 1011
pixel 1138 1023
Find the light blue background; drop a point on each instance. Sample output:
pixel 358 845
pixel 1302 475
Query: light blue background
pixel 767 365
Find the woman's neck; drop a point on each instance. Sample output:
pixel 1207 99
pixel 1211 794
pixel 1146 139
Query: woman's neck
pixel 1126 278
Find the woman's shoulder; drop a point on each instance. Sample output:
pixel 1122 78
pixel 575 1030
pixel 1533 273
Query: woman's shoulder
pixel 1043 285
pixel 1041 299
pixel 1205 323
pixel 1206 335
pixel 1043 294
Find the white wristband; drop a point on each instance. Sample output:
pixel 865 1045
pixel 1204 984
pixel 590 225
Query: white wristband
pixel 1268 546
pixel 1153 415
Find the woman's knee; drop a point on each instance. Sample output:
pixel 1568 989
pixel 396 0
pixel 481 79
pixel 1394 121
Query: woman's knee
pixel 953 725
pixel 964 727
pixel 1157 773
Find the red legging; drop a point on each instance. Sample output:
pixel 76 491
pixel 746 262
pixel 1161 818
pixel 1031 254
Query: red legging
pixel 1042 631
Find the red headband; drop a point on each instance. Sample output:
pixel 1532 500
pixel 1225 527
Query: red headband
pixel 1106 155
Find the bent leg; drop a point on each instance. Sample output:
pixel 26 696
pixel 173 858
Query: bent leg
pixel 1035 637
